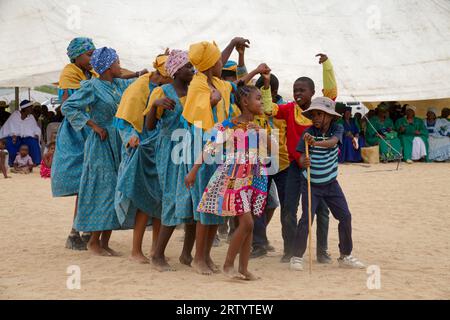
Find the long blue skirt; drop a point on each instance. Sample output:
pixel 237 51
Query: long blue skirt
pixel 205 173
pixel 138 184
pixel 176 199
pixel 96 210
pixel 347 153
pixel 33 147
pixel 67 162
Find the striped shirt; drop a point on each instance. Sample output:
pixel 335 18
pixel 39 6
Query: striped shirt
pixel 324 161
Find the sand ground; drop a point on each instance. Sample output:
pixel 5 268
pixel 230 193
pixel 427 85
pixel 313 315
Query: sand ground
pixel 401 223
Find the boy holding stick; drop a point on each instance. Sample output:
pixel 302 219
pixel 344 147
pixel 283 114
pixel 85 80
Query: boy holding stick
pixel 323 139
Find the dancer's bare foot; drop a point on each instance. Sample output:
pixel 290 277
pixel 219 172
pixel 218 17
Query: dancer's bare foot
pixel 97 250
pixel 214 268
pixel 112 252
pixel 231 273
pixel 139 258
pixel 201 268
pixel 161 264
pixel 186 259
pixel 247 275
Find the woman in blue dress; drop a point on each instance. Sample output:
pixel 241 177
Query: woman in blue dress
pixel 102 153
pixel 68 159
pixel 164 111
pixel 138 194
pixel 350 149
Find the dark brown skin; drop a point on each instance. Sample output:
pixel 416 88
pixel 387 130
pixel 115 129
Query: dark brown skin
pixel 113 72
pixel 181 82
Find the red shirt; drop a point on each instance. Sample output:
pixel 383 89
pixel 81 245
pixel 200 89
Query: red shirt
pixel 296 123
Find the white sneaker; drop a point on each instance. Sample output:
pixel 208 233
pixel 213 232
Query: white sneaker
pixel 350 262
pixel 296 264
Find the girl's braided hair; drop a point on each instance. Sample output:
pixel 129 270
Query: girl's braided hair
pixel 243 90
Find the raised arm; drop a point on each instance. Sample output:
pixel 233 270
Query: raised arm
pixel 329 79
pixel 235 42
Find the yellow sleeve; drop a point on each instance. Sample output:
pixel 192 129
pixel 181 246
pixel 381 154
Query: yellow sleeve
pixel 266 96
pixel 157 93
pixel 329 80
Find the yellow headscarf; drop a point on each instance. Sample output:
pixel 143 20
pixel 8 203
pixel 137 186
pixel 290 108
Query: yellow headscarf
pixel 134 102
pixel 204 55
pixel 198 105
pixel 160 65
pixel 71 76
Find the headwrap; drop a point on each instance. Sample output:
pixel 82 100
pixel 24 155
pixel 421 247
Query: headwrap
pixel 204 55
pixel 434 110
pixel 230 66
pixel 198 105
pixel 103 58
pixel 25 104
pixel 160 63
pixel 408 107
pixel 78 46
pixel 134 102
pixel 176 60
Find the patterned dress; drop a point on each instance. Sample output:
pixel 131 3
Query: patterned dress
pixel 239 184
pixel 137 182
pixel 96 210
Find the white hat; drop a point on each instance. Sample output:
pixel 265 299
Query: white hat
pixel 323 104
pixel 408 107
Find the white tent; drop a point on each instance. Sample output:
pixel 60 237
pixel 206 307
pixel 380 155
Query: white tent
pixel 385 50
pixel 8 95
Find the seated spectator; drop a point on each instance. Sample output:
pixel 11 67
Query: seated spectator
pixel 445 114
pixel 350 149
pixel 21 128
pixel 438 136
pixel 46 163
pixel 414 136
pixel 380 131
pixel 3 158
pixel 23 162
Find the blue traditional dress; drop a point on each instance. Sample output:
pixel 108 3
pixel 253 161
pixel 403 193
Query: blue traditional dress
pixel 347 153
pixel 67 162
pixel 137 182
pixel 96 210
pixel 177 204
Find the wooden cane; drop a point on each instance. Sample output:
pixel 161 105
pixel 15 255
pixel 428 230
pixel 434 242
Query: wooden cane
pixel 308 171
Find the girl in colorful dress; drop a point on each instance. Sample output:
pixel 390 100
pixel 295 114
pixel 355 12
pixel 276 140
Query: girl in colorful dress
pixel 164 112
pixel 102 152
pixel 239 185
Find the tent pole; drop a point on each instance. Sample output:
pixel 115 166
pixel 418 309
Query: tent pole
pixel 16 89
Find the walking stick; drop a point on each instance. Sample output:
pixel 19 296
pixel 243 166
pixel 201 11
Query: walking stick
pixel 308 170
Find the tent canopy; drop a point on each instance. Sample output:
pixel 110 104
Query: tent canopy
pixel 397 50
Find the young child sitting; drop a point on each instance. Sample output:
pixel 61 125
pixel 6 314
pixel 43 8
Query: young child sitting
pixel 323 137
pixel 23 162
pixel 4 158
pixel 46 163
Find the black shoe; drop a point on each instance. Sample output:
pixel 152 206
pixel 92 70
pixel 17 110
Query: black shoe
pixel 74 242
pixel 86 236
pixel 324 257
pixel 286 258
pixel 258 252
